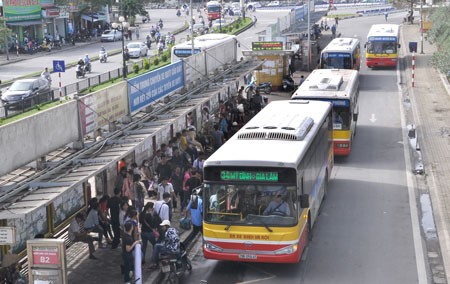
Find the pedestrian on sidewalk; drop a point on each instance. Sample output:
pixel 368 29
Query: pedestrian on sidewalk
pixel 195 210
pixel 148 227
pixel 92 223
pixel 128 245
pixel 385 16
pixel 137 32
pixel 336 20
pixel 114 210
pixel 254 20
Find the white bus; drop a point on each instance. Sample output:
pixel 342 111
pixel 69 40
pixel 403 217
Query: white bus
pixel 263 187
pixel 341 88
pixel 220 42
pixel 341 53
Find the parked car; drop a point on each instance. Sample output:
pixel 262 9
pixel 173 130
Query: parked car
pixel 137 49
pixel 111 35
pixel 237 12
pixel 26 89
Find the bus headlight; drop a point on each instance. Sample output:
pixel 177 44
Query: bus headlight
pixel 287 250
pixel 212 247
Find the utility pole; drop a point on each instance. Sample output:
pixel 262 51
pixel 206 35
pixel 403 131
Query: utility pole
pixel 421 27
pixel 6 37
pixel 309 35
pixel 192 27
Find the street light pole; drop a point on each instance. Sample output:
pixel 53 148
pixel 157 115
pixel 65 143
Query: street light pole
pixel 192 27
pixel 309 35
pixel 421 28
pixel 121 27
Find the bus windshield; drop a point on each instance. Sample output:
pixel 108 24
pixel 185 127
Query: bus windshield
pixel 381 47
pixel 341 118
pixel 332 60
pixel 243 204
pixel 213 9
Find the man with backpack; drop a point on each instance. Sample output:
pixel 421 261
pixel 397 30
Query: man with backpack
pixel 195 209
pixel 162 208
pixel 166 187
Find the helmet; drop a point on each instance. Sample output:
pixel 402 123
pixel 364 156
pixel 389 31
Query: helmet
pixel 80 59
pixel 86 55
pixel 165 223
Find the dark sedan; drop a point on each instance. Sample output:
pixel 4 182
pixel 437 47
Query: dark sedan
pixel 27 92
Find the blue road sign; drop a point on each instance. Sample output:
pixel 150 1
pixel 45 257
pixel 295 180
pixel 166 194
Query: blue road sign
pixel 59 66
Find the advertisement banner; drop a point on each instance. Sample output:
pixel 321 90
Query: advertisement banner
pixel 22 10
pixel 146 89
pixel 101 107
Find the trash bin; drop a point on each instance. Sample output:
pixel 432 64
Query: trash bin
pixel 412 46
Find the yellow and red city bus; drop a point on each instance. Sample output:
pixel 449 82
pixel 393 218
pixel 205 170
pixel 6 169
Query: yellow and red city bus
pixel 341 88
pixel 213 10
pixel 382 45
pixel 263 187
pixel 341 53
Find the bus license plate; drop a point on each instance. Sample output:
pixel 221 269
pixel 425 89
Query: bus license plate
pixel 247 256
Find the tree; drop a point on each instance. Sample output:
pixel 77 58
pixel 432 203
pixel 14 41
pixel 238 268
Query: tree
pixel 133 7
pixel 439 34
pixel 5 34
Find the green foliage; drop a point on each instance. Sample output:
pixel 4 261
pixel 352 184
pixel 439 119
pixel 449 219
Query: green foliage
pixel 164 57
pixel 146 64
pixel 135 68
pixel 155 60
pixel 5 33
pixel 439 34
pixel 133 7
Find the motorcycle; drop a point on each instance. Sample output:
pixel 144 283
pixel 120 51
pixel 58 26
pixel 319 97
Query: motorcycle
pixel 103 56
pixel 265 87
pixel 289 84
pixel 88 67
pixel 173 267
pixel 160 25
pixel 80 71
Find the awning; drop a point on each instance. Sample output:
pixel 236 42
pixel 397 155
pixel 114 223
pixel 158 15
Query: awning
pixel 94 17
pixel 25 23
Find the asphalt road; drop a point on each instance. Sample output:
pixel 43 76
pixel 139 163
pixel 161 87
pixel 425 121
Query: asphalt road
pixel 364 233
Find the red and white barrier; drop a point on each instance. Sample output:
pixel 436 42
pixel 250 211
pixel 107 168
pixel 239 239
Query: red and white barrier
pixel 60 86
pixel 413 66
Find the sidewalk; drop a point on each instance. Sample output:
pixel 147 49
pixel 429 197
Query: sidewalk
pixel 430 105
pixel 106 269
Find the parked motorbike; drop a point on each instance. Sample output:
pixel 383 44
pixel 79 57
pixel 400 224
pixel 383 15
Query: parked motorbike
pixel 103 56
pixel 173 267
pixel 265 87
pixel 289 84
pixel 80 71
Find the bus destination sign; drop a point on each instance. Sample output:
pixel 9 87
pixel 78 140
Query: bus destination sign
pixel 248 176
pixel 267 45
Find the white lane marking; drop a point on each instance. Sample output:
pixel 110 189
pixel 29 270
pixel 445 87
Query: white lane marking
pixel 417 239
pixel 373 118
pixel 269 275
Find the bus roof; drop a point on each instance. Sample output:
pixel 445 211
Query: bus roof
pixel 213 3
pixel 384 30
pixel 328 84
pixel 341 44
pixel 278 136
pixel 206 41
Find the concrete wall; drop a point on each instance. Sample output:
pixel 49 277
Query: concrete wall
pixel 27 139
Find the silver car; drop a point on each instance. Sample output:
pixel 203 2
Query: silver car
pixel 137 49
pixel 111 35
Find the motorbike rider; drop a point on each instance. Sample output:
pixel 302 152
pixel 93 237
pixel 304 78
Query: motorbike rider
pixel 148 41
pixel 169 245
pixel 46 75
pixel 160 23
pixel 87 62
pixel 103 52
pixel 80 65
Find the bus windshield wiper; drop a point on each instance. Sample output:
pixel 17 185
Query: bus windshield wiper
pixel 266 226
pixel 227 227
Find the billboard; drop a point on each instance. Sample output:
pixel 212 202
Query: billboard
pixel 22 10
pixel 147 88
pixel 99 108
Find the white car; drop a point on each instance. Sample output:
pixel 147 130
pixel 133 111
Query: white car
pixel 137 49
pixel 218 23
pixel 273 4
pixel 253 5
pixel 111 35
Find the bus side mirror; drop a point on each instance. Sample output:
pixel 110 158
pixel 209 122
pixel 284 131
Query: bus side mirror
pixel 355 117
pixel 399 45
pixel 365 45
pixel 304 201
